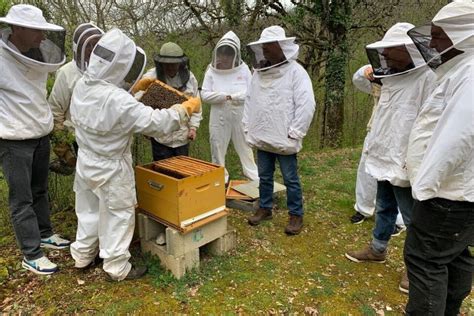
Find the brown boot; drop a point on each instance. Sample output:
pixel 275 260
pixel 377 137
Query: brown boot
pixel 262 214
pixel 366 255
pixel 295 224
pixel 404 283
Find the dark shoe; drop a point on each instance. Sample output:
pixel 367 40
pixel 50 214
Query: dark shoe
pixel 398 230
pixel 295 224
pixel 404 283
pixel 357 218
pixel 94 263
pixel 135 273
pixel 262 214
pixel 366 255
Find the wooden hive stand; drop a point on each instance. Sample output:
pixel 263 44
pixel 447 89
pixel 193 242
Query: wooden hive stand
pixel 180 253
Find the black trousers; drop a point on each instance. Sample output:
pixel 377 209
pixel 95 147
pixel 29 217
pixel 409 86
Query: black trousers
pixel 161 151
pixel 437 257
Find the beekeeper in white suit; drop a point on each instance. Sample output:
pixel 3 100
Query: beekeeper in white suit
pixel 279 108
pixel 366 186
pixel 172 68
pixel 64 146
pixel 440 164
pixel 105 117
pixel 30 48
pixel 407 83
pixel 224 88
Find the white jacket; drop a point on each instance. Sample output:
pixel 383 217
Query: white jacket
pixel 180 137
pixel 24 110
pixel 400 101
pixel 440 158
pixel 280 104
pixel 106 117
pixel 60 96
pixel 363 84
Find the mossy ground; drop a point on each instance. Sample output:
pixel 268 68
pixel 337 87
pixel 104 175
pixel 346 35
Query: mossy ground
pixel 268 272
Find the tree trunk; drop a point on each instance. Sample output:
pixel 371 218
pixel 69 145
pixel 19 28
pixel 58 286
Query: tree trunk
pixel 337 22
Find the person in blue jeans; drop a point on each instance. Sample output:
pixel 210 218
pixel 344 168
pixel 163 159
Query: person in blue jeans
pixel 278 111
pixel 406 83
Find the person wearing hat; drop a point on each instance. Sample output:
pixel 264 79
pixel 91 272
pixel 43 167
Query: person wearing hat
pixel 64 145
pixel 172 68
pixel 29 49
pixel 105 117
pixel 366 186
pixel 224 88
pixel 278 111
pixel 406 84
pixel 440 163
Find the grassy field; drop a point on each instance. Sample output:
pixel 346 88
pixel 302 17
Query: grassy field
pixel 267 273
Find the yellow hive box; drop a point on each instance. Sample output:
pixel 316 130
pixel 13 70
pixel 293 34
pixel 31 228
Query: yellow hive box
pixel 181 191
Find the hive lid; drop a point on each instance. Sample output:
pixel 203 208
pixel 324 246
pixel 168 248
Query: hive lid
pixel 251 188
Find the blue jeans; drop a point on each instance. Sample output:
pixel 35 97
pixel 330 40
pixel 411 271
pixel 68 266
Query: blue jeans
pixel 389 199
pixel 25 166
pixel 289 169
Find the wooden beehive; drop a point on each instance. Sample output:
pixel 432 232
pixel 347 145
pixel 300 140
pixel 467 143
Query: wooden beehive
pixel 159 95
pixel 181 191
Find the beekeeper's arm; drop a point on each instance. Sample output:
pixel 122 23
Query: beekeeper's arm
pixel 304 103
pixel 60 99
pixel 139 118
pixel 361 81
pixel 452 142
pixel 208 94
pixel 196 118
pixel 239 96
pixel 61 137
pixel 245 115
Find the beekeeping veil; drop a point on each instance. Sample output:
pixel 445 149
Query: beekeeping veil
pixel 450 32
pixel 272 49
pixel 84 39
pixel 395 54
pixel 116 59
pixel 226 54
pixel 172 53
pixel 49 55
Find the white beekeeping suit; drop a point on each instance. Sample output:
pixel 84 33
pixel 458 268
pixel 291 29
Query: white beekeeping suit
pixel 225 87
pixel 277 120
pixel 184 81
pixel 366 185
pixel 25 113
pixel 62 138
pixel 403 92
pixel 105 117
pixel 84 36
pixel 440 155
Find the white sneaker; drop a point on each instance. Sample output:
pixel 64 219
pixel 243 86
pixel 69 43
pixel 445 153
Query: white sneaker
pixel 40 266
pixel 55 242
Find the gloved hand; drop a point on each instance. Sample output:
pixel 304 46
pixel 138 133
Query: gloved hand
pixel 369 73
pixel 64 152
pixel 193 105
pixel 143 84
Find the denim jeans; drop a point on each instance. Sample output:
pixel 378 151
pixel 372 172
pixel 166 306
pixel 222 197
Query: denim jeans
pixel 161 151
pixel 438 261
pixel 289 169
pixel 389 199
pixel 25 165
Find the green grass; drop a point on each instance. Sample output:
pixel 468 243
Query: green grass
pixel 268 272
